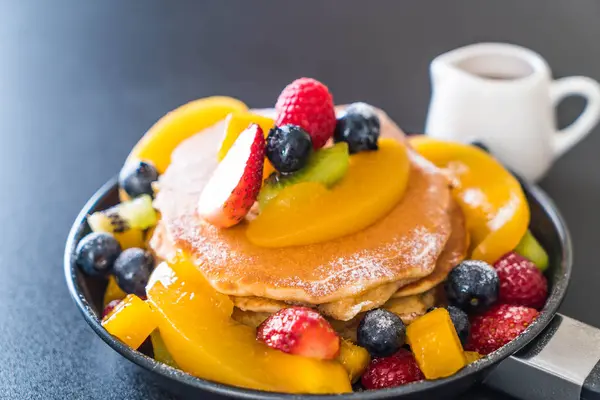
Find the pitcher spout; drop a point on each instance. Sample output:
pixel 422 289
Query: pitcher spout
pixel 491 62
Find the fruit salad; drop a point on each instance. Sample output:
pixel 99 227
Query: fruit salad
pixel 312 248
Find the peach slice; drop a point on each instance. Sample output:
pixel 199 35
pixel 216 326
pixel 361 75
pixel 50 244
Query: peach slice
pixel 196 326
pixel 308 213
pixel 236 123
pixel 492 199
pixel 185 121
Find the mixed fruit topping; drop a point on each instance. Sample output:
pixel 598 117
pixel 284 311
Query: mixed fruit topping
pixel 297 177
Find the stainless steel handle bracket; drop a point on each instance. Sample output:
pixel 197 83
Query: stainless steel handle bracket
pixel 562 364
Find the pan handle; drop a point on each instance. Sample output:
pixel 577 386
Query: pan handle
pixel 562 363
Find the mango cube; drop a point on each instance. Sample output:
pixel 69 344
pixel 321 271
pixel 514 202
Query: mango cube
pixel 472 356
pixel 436 345
pixel 354 359
pixel 113 291
pixel 132 321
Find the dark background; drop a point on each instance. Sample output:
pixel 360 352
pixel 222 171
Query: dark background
pixel 80 82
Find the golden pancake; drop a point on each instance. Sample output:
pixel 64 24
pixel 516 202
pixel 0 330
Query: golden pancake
pixel 347 308
pixel 404 245
pixel 344 309
pixel 454 252
pixel 410 308
pixel 407 308
pixel 250 318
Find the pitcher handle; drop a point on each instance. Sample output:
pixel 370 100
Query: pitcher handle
pixel 583 86
pixel 560 364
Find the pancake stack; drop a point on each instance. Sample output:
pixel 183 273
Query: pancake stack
pixel 397 263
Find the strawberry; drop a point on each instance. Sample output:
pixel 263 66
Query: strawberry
pixel 301 331
pixel 498 326
pixel 307 103
pixel 234 185
pixel 395 370
pixel 521 282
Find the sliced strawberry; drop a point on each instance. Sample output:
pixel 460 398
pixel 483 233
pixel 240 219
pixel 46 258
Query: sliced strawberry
pixel 234 186
pixel 301 331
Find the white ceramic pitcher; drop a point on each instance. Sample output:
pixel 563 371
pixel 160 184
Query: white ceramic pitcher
pixel 503 96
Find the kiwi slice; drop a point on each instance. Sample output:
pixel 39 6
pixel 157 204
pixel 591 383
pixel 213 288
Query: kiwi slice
pixel 326 166
pixel 531 249
pixel 133 214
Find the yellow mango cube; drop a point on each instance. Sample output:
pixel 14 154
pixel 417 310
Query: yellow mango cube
pixel 435 344
pixel 354 359
pixel 132 321
pixel 472 356
pixel 113 291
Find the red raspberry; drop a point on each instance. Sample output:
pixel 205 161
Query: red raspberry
pixel 521 282
pixel 498 326
pixel 307 103
pixel 301 331
pixel 110 307
pixel 398 369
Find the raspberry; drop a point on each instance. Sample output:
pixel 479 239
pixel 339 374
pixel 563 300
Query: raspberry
pixel 301 331
pixel 521 282
pixel 307 103
pixel 498 326
pixel 398 369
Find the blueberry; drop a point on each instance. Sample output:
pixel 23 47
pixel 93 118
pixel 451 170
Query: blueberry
pixel 460 320
pixel 358 387
pixel 132 270
pixel 359 127
pixel 288 148
pixel 472 286
pixel 381 332
pixel 96 253
pixel 136 178
pixel 461 323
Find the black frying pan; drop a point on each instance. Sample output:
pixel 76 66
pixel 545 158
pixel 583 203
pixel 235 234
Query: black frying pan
pixel 555 358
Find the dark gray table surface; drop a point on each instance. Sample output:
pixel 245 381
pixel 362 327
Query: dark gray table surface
pixel 80 82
